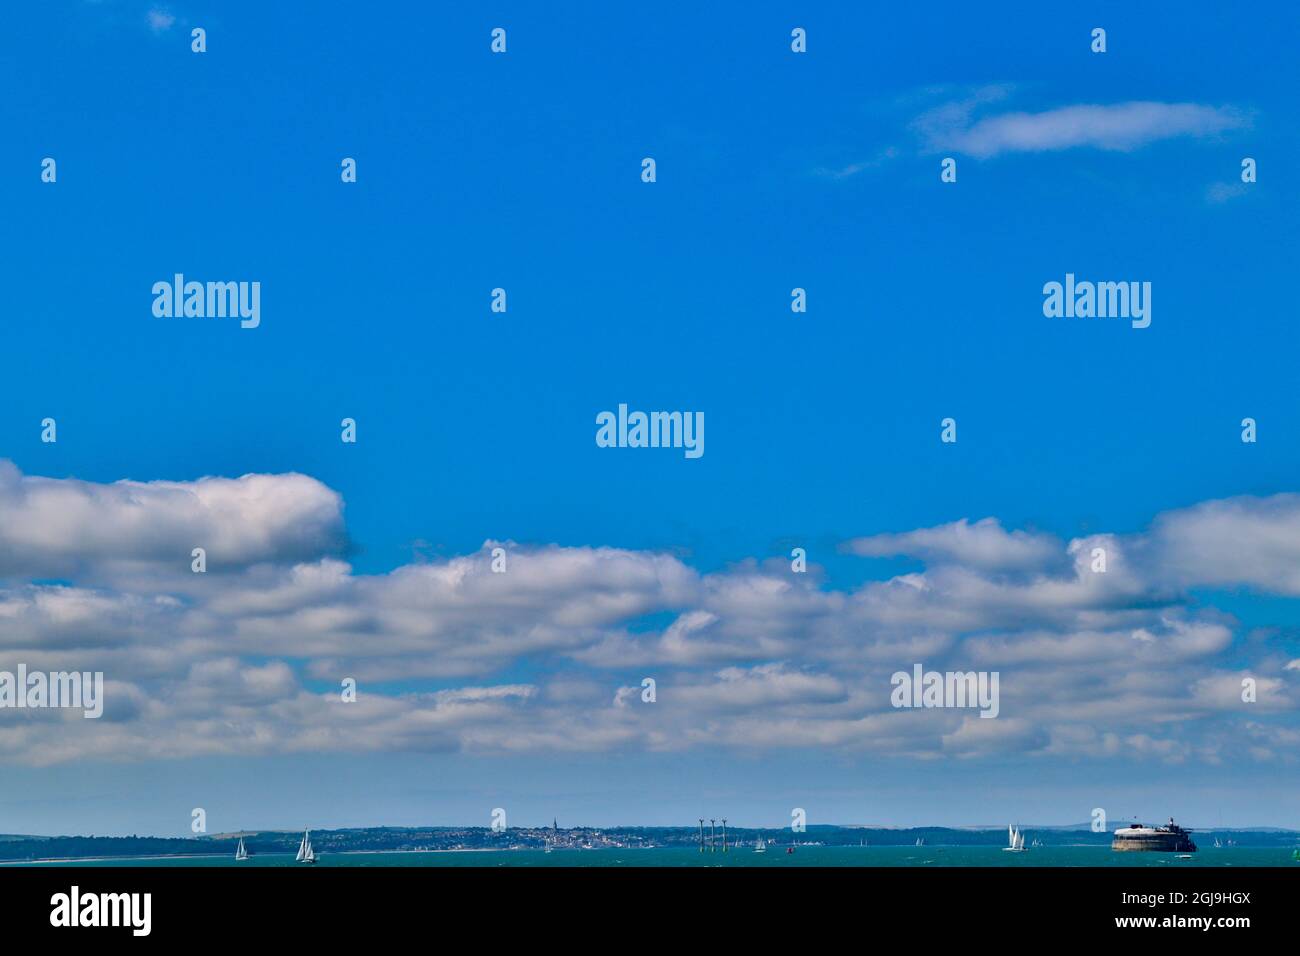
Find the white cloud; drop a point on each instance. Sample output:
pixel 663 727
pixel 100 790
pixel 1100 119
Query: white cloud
pixel 247 659
pixel 1118 126
pixel 1246 541
pixel 60 528
pixel 160 20
pixel 881 158
pixel 983 545
pixel 1219 193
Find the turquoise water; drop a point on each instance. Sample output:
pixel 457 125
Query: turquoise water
pixel 804 856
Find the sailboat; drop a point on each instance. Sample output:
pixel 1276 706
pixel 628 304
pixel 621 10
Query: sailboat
pixel 1015 839
pixel 305 853
pixel 240 852
pixel 1218 845
pixel 920 841
pixel 760 846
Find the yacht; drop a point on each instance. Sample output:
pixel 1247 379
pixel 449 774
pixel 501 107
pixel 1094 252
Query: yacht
pixel 305 852
pixel 1015 840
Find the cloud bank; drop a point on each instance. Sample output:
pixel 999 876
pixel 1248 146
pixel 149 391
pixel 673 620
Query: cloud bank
pixel 249 657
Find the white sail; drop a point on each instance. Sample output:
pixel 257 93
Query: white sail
pixel 240 852
pixel 1015 839
pixel 304 848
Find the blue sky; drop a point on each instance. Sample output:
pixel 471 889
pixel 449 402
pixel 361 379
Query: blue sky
pixel 774 171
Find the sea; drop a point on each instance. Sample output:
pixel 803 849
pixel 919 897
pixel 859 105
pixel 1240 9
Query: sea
pixel 804 856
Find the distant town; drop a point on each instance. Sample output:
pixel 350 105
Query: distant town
pixel 18 848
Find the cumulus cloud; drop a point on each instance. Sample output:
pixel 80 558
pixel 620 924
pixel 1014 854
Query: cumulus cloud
pixel 1247 541
pixel 983 545
pixel 450 655
pixel 64 528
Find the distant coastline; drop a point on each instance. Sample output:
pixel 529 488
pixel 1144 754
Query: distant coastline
pixel 17 849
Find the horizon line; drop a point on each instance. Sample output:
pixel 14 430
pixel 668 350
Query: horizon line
pixel 233 834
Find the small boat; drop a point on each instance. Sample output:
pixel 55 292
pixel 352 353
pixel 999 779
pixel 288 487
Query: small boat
pixel 240 852
pixel 1217 845
pixel 1015 840
pixel 305 853
pixel 789 849
pixel 920 841
pixel 760 846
